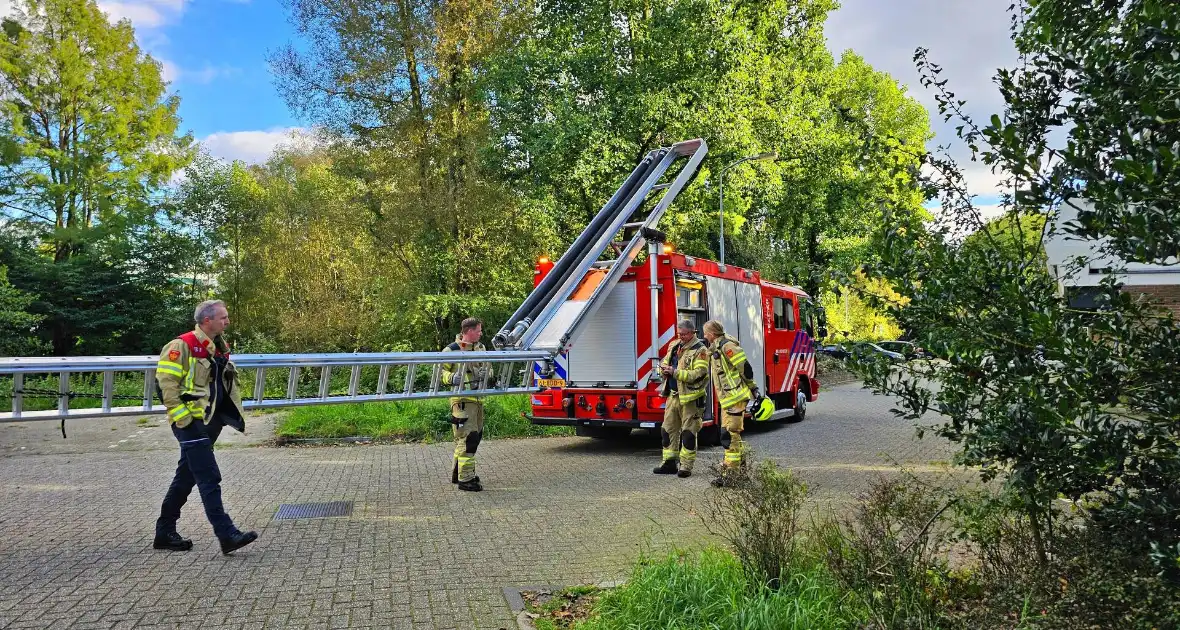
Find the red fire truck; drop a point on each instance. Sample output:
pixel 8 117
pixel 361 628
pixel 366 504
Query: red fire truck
pixel 606 383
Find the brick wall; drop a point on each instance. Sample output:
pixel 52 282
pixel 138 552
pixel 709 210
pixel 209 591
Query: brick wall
pixel 1166 295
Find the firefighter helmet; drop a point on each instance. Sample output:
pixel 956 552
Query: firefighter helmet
pixel 764 410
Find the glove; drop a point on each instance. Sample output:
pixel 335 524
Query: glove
pixel 456 379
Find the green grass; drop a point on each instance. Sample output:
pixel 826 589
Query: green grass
pixel 424 421
pixel 710 590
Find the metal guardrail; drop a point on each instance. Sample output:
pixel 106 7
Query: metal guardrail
pixel 512 373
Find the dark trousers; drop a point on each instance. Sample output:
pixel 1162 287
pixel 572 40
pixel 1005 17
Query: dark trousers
pixel 197 467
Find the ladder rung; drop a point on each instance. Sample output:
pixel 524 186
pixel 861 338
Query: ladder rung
pixel 634 225
pixel 660 186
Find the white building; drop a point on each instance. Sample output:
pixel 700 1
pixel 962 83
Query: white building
pixel 1160 283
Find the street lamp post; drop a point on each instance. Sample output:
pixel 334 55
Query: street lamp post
pixel 750 158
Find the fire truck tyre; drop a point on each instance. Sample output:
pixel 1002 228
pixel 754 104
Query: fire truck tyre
pixel 709 436
pixel 800 405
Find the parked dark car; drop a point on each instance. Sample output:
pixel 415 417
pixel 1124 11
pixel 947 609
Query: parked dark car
pixel 861 349
pixel 908 349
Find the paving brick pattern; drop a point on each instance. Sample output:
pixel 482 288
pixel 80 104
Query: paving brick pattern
pixel 75 528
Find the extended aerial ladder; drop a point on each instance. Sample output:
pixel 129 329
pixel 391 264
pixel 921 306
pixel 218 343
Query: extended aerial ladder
pixel 545 324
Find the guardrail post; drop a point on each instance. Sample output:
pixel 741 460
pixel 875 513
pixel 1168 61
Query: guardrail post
pixel 108 390
pixel 18 397
pixel 260 384
pixel 149 388
pixel 63 393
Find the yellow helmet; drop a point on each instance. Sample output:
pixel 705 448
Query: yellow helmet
pixel 764 410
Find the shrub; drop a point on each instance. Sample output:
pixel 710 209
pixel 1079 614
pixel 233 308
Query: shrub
pixel 759 516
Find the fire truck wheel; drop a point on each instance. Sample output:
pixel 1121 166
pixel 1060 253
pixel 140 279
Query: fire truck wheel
pixel 800 405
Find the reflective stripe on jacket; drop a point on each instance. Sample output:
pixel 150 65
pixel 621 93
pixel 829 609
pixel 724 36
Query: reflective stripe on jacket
pixel 469 370
pixel 185 375
pixel 727 362
pixel 692 370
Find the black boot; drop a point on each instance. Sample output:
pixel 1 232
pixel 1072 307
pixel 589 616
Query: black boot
pixel 666 468
pixel 172 541
pixel 237 541
pixel 471 486
pixel 684 473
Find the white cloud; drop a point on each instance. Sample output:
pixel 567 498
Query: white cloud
pixel 143 13
pixel 209 73
pixel 5 8
pixel 173 73
pixel 968 38
pixel 254 147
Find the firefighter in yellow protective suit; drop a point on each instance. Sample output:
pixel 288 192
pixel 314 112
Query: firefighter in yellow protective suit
pixel 466 411
pixel 686 375
pixel 733 387
pixel 198 384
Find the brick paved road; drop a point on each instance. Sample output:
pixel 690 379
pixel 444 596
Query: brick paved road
pixel 75 527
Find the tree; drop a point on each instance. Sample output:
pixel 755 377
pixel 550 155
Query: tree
pixel 87 136
pixel 16 323
pixel 591 87
pixel 220 204
pixel 1057 401
pixel 398 84
pixel 1105 73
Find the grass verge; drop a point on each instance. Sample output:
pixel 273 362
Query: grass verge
pixel 708 589
pixel 408 421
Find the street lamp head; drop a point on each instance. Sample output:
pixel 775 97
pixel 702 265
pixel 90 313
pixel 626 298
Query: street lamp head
pixel 771 155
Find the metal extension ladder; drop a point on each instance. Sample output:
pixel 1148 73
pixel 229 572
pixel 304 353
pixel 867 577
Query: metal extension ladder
pixel 557 326
pixel 93 387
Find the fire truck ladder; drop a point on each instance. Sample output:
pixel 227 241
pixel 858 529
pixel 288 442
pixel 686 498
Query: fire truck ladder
pixel 60 388
pixel 57 388
pixel 550 319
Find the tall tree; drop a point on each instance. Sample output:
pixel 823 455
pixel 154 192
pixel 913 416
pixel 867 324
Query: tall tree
pixel 1056 400
pixel 398 81
pixel 592 86
pixel 88 135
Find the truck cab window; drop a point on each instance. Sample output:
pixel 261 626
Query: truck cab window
pixel 784 314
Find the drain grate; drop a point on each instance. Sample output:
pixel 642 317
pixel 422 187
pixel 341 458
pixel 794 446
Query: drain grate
pixel 290 511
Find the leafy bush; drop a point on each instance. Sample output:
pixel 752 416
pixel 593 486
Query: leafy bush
pixel 758 514
pixel 892 552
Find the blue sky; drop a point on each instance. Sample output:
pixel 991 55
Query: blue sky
pixel 214 53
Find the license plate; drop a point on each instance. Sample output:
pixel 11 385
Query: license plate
pixel 551 382
pixel 647 425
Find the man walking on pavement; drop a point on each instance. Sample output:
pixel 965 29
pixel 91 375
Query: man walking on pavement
pixel 466 411
pixel 686 375
pixel 731 386
pixel 199 387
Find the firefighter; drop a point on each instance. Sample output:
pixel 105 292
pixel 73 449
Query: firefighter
pixel 686 375
pixel 199 386
pixel 466 411
pixel 732 385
